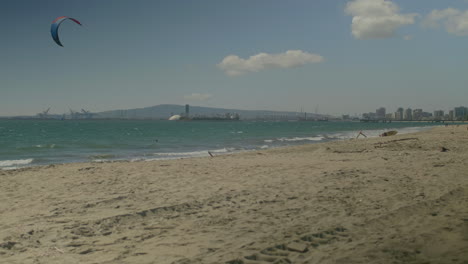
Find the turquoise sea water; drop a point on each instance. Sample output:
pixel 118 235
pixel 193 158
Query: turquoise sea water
pixel 40 142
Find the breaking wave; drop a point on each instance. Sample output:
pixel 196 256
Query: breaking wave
pixel 13 164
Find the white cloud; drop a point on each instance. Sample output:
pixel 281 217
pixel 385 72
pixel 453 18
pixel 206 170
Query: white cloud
pixel 233 65
pixel 198 97
pixel 454 21
pixel 374 19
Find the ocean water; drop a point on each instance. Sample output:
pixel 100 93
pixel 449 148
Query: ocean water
pixel 40 142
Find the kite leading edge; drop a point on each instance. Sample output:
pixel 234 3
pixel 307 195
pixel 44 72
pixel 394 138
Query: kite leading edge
pixel 55 26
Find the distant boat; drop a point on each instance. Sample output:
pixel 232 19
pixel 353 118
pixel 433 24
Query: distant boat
pixel 174 118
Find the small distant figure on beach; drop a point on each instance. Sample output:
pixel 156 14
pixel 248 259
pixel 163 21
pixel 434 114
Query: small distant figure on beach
pixel 360 133
pixel 210 154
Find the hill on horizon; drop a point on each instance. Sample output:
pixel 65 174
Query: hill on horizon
pixel 164 111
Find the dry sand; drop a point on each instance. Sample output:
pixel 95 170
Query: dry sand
pixel 352 201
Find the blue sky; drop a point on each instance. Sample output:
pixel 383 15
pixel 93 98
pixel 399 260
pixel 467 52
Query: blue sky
pixel 352 56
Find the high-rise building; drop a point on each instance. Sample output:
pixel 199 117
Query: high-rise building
pixel 380 112
pixel 408 114
pixel 439 114
pixel 460 112
pixel 187 110
pixel 451 115
pixel 417 114
pixel 426 115
pixel 399 114
pixel 369 116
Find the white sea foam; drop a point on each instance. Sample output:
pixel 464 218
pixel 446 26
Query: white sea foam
pixel 183 154
pixel 294 139
pixel 9 168
pixel 45 146
pixel 99 160
pixel 200 153
pixel 374 133
pixel 223 150
pixel 12 164
pixel 300 139
pixel 165 155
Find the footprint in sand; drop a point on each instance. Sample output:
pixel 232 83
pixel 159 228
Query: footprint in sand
pixel 297 249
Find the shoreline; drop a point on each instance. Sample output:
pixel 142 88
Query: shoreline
pixel 12 164
pixel 395 199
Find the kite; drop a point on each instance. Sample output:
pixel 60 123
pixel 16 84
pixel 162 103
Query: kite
pixel 55 26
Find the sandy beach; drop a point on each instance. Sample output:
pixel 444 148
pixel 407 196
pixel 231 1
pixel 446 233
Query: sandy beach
pixel 396 199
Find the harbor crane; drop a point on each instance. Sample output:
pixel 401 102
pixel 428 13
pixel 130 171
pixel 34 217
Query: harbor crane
pixel 44 114
pixel 87 114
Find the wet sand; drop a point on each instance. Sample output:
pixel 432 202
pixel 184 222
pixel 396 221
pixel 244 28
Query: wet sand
pixel 395 199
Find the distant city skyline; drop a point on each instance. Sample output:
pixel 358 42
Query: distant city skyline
pixel 301 110
pixel 409 114
pixel 342 57
pixel 161 111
